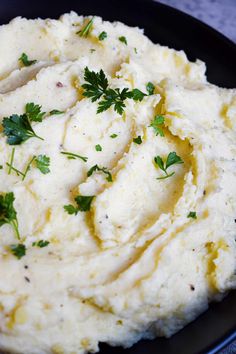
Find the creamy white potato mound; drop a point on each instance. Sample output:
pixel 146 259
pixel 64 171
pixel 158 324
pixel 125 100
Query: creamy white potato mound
pixel 135 265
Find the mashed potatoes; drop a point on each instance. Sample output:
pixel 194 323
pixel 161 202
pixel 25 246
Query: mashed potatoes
pixel 108 250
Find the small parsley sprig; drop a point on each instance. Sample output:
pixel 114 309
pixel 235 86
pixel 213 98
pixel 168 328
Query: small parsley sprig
pixel 25 60
pixel 18 129
pixel 172 159
pixel 157 124
pixel 96 87
pixel 33 112
pixel 123 40
pixel 83 204
pixel 8 214
pixel 84 32
pixel 42 162
pixel 100 169
pixel 150 88
pixel 138 140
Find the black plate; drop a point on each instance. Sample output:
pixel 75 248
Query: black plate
pixel 165 25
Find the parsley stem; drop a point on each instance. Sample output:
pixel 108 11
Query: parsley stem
pixel 11 161
pixel 15 227
pixel 15 169
pixel 28 168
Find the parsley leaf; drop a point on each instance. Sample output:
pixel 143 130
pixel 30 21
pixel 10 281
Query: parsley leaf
pixel 18 129
pixel 8 214
pixel 1 167
pixel 55 111
pixel 156 124
pixel 33 112
pixel 25 61
pixel 102 36
pixel 40 243
pixel 96 87
pixel 138 140
pixel 100 169
pixel 43 163
pixel 172 159
pixel 98 147
pixel 123 40
pixel 84 32
pixel 137 95
pixel 150 88
pixel 83 204
pixel 192 214
pixel 72 156
pixel 18 250
pixel 113 136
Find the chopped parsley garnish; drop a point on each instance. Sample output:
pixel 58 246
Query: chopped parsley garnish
pixel 96 87
pixel 138 95
pixel 84 32
pixel 8 214
pixel 72 156
pixel 123 40
pixel 172 159
pixel 40 243
pixel 33 112
pixel 55 111
pixel 102 36
pixel 83 204
pixel 113 136
pixel 138 140
pixel 42 163
pixel 100 169
pixel 18 129
pixel 18 250
pixel 98 147
pixel 25 60
pixel 192 214
pixel 156 124
pixel 150 88
pixel 135 50
pixel 1 167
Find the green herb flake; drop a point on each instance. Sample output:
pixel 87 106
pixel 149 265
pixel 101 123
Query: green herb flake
pixel 18 250
pixel 25 60
pixel 98 147
pixel 55 111
pixel 113 136
pixel 85 31
pixel 102 36
pixel 172 159
pixel 40 243
pixel 8 214
pixel 1 167
pixel 72 156
pixel 83 204
pixel 123 40
pixel 43 163
pixel 157 123
pixel 192 214
pixel 138 140
pixel 150 88
pixel 100 169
